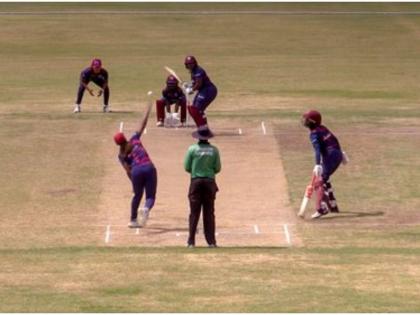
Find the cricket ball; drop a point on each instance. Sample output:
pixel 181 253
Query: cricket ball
pixel 149 93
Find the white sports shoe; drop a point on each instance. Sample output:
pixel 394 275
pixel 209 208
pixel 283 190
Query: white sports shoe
pixel 105 109
pixel 144 216
pixel 133 224
pixel 159 124
pixel 77 109
pixel 318 214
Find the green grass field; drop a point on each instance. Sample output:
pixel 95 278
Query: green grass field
pixel 359 70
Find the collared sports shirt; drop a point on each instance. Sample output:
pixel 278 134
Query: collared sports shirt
pixel 202 160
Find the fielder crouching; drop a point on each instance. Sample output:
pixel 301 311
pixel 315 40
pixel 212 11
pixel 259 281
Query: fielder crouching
pixel 328 157
pixel 98 75
pixel 202 161
pixel 140 170
pixel 172 94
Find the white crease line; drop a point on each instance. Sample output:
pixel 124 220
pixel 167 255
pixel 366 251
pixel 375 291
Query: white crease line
pixel 286 232
pixel 240 131
pixel 145 131
pixel 263 128
pixel 137 231
pixel 121 126
pixel 108 234
pixel 256 229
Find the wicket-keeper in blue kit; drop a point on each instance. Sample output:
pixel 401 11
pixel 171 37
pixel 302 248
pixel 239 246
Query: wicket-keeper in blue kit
pixel 97 75
pixel 140 170
pixel 206 92
pixel 328 157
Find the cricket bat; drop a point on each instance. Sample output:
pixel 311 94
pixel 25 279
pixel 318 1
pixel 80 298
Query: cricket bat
pixel 172 72
pixel 307 196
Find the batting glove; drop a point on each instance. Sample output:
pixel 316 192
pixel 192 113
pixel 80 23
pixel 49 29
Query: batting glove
pixel 189 90
pixel 186 84
pixel 318 170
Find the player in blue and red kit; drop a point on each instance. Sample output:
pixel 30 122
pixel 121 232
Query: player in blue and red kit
pixel 172 94
pixel 140 170
pixel 97 75
pixel 328 157
pixel 206 92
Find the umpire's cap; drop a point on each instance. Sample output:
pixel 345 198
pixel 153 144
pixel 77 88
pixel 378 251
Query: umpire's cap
pixel 203 134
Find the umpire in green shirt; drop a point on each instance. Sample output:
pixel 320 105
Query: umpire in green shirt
pixel 203 163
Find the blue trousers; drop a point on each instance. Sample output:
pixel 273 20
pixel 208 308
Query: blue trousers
pixel 330 163
pixel 204 97
pixel 144 179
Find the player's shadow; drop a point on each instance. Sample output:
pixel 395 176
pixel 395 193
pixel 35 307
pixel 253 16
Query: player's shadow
pixel 354 214
pixel 226 134
pixel 112 112
pixel 162 230
pixel 121 112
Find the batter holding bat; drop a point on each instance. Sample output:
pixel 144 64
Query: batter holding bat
pixel 140 170
pixel 328 157
pixel 206 92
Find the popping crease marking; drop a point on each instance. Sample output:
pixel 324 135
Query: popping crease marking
pixel 108 234
pixel 286 232
pixel 256 229
pixel 263 128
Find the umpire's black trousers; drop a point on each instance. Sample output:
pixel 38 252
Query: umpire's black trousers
pixel 202 193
